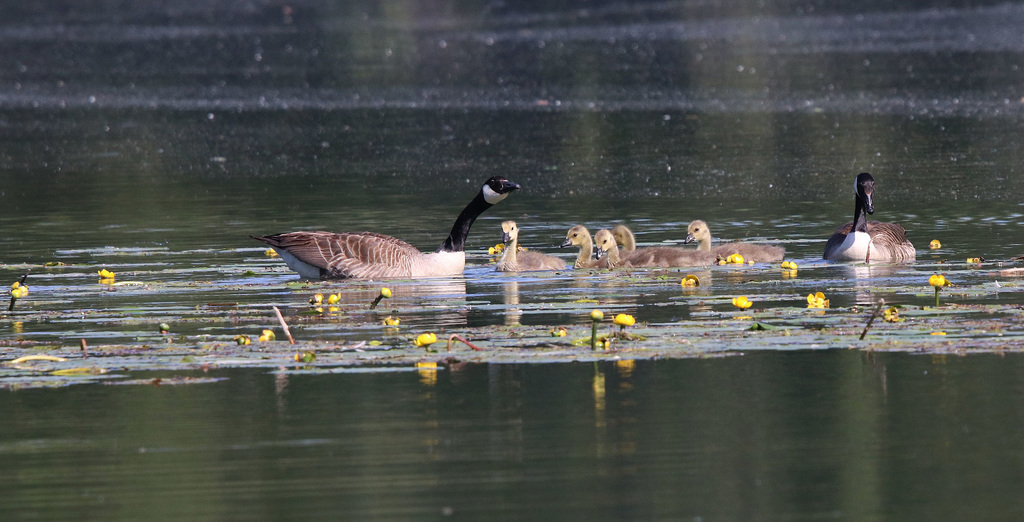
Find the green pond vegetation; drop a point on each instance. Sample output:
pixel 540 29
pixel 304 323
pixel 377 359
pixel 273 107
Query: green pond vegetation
pixel 79 325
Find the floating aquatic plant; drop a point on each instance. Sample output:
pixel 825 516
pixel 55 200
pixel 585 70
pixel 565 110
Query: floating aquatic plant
pixel 267 335
pixel 690 280
pixel 317 299
pixel 391 321
pixel 624 320
pixel 789 265
pixel 817 300
pixel 425 340
pixel 385 293
pixel 733 259
pixel 333 298
pixel 892 315
pixel 305 357
pixel 270 252
pixel 559 332
pixel 106 276
pixel 242 340
pixel 975 260
pixel 938 281
pixel 19 290
pixel 596 316
pixel 935 244
pixel 742 302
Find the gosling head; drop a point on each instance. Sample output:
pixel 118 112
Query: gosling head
pixel 864 187
pixel 497 188
pixel 697 231
pixel 509 232
pixel 604 241
pixel 576 236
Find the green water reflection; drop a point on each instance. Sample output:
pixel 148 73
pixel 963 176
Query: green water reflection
pixel 832 434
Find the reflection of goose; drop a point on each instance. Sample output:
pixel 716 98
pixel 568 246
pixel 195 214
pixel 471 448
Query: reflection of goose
pixel 326 255
pixel 624 237
pixel 866 241
pixel 664 257
pixel 512 261
pixel 580 236
pixel 698 231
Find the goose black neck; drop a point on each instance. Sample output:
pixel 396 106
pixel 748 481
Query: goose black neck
pixel 860 216
pixel 456 241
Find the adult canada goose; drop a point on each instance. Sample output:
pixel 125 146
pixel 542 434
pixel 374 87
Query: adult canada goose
pixel 867 241
pixel 513 261
pixel 327 255
pixel 698 231
pixel 580 236
pixel 624 237
pixel 664 257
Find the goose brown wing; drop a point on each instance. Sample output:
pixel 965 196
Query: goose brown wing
pixel 348 254
pixel 890 242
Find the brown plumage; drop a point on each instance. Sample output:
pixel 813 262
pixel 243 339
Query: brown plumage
pixel 624 238
pixel 327 255
pixel 580 236
pixel 698 231
pixel 514 261
pixel 663 257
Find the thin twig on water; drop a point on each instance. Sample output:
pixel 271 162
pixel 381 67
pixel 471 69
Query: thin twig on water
pixel 463 339
pixel 878 308
pixel 284 325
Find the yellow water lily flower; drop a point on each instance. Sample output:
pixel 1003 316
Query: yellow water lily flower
pixel 891 315
pixel 243 339
pixel 624 320
pixel 559 332
pixel 742 302
pixel 934 244
pixel 817 300
pixel 597 315
pixel 425 340
pixel 975 259
pixel 19 292
pixel 938 281
pixel 391 321
pixel 735 259
pixel 385 293
pixel 690 280
pixel 106 274
pixel 267 335
pixel 789 265
pixel 305 357
pixel 316 299
pixel 270 252
pixel 333 298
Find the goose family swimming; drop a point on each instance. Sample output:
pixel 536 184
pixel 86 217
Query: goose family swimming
pixel 698 231
pixel 868 241
pixel 513 261
pixel 329 255
pixel 662 257
pixel 580 236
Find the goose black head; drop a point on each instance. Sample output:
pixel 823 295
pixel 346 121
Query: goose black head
pixel 864 187
pixel 498 188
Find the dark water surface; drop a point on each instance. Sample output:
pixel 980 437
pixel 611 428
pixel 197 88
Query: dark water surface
pixel 835 435
pixel 153 139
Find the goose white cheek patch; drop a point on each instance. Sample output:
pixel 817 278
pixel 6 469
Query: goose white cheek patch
pixel 493 197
